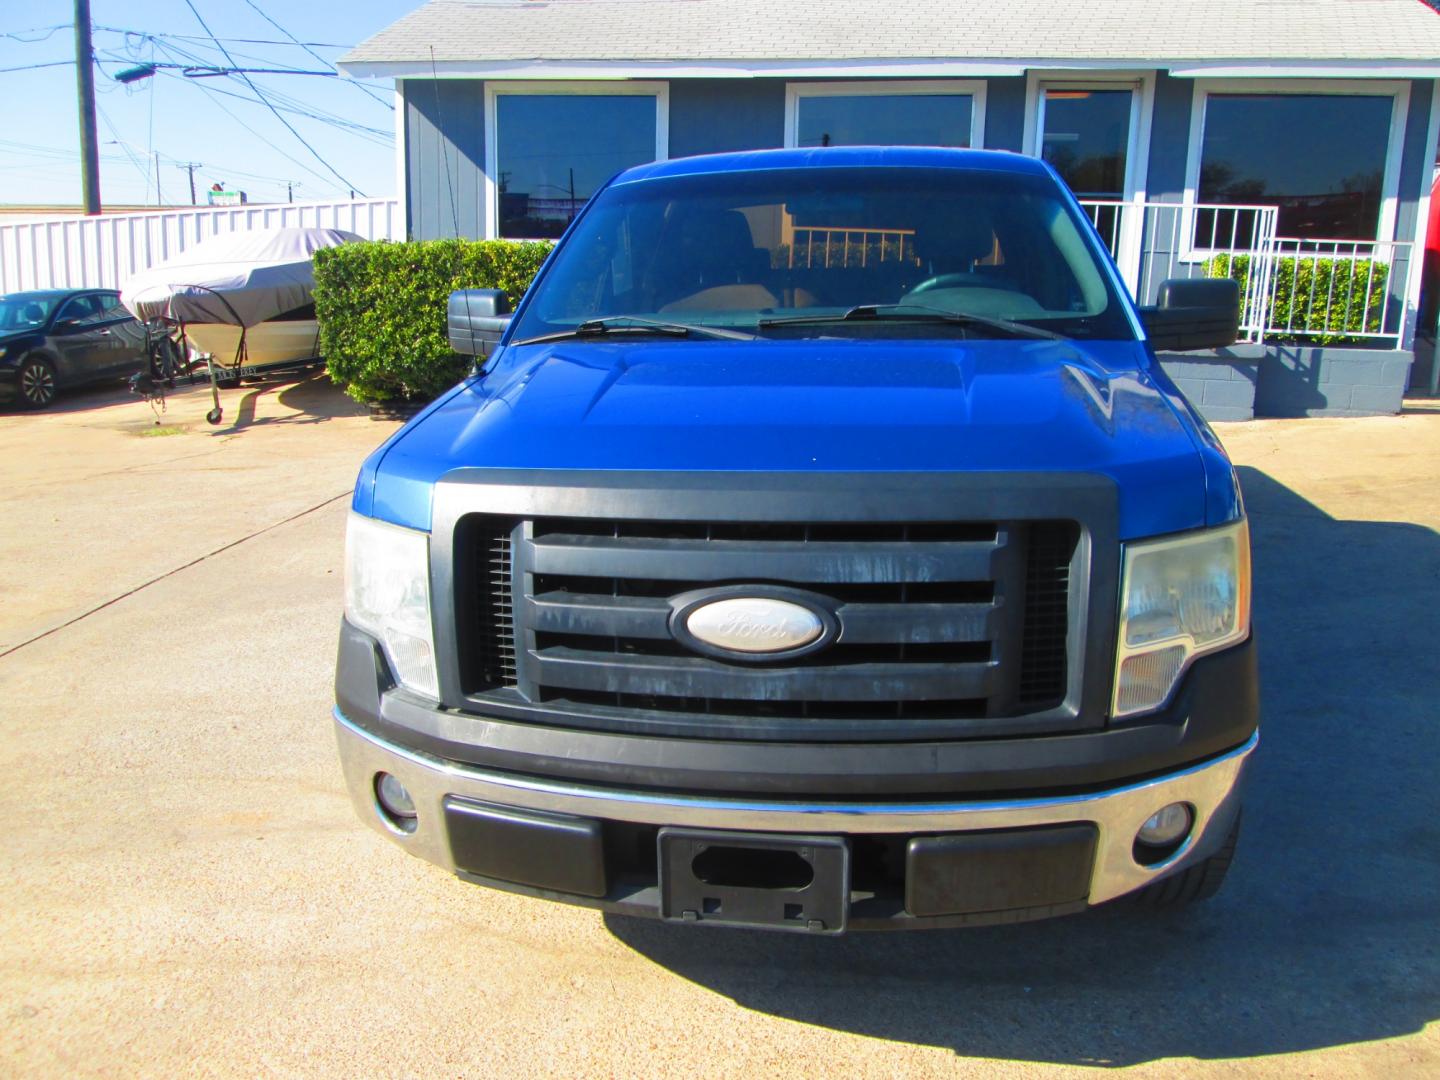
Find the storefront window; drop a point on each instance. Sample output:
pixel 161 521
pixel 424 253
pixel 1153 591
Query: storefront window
pixel 1087 135
pixel 1319 158
pixel 905 119
pixel 553 151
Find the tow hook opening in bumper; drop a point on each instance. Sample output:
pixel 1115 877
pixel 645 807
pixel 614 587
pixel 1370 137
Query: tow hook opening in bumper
pixel 1028 857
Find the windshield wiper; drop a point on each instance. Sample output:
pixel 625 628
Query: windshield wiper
pixel 915 313
pixel 634 324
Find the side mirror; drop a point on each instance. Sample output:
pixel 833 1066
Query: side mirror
pixel 1194 313
pixel 476 319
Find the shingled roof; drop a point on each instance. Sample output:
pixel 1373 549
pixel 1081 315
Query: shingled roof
pixel 498 37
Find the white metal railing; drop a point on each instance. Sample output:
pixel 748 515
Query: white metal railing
pixel 1315 290
pixel 1154 242
pixel 101 252
pixel 828 246
pixel 1337 288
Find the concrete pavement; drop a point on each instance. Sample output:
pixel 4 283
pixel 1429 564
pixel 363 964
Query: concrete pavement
pixel 187 890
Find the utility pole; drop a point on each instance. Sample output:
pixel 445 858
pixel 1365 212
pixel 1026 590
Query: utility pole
pixel 85 97
pixel 157 179
pixel 190 167
pixel 289 190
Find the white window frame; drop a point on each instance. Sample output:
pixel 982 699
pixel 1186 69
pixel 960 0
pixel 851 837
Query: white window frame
pixel 1142 111
pixel 975 88
pixel 1398 91
pixel 402 157
pixel 660 91
pixel 1141 84
pixel 1417 254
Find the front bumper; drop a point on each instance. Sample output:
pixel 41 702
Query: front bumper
pixel 620 818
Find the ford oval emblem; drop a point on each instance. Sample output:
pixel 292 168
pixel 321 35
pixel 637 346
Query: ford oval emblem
pixel 754 624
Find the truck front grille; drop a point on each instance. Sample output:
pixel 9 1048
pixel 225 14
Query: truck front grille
pixel 946 628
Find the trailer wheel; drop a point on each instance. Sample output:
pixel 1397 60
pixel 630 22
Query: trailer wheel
pixel 214 415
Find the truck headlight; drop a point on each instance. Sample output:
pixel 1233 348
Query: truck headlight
pixel 1180 598
pixel 387 593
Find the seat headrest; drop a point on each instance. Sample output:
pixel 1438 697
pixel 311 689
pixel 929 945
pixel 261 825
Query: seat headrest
pixel 953 240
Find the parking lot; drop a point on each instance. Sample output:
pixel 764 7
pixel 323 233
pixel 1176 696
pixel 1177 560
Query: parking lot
pixel 188 891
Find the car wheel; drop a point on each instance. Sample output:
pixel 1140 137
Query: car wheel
pixel 1194 883
pixel 36 382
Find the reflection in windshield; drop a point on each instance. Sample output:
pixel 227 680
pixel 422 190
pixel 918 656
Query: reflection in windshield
pixel 756 251
pixel 23 313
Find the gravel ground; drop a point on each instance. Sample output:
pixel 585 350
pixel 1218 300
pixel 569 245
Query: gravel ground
pixel 187 890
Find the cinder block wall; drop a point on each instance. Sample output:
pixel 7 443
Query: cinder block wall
pixel 1291 380
pixel 1326 381
pixel 1220 388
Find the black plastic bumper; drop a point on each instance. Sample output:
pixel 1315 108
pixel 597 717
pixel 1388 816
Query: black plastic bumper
pixel 1215 710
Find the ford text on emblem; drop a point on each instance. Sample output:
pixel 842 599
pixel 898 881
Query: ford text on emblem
pixel 755 624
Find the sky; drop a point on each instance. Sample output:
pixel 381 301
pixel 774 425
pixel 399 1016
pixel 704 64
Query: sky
pixel 236 140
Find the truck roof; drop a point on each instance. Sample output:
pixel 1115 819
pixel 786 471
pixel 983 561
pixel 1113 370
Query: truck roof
pixel 853 157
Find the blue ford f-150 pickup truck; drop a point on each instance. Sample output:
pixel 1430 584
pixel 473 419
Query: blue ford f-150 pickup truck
pixel 818 546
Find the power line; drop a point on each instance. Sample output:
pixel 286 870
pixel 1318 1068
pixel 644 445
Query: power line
pixel 140 167
pixel 211 93
pixel 46 157
pixel 33 67
pixel 206 71
pixel 374 135
pixel 45 32
pixel 250 83
pixel 291 104
pixel 236 40
pixel 256 8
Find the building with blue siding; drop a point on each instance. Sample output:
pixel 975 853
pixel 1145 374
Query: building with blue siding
pixel 1291 144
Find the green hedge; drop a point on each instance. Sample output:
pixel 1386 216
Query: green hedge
pixel 381 309
pixel 1316 300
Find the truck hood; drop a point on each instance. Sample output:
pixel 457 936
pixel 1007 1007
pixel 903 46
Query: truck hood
pixel 815 404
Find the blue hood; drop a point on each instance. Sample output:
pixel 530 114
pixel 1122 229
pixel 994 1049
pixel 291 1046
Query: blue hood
pixel 826 405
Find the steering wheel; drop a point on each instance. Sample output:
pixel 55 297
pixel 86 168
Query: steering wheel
pixel 943 281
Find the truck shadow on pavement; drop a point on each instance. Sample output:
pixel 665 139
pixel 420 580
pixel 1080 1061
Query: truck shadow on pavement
pixel 1326 932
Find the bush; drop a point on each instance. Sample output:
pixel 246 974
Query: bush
pixel 381 309
pixel 1315 299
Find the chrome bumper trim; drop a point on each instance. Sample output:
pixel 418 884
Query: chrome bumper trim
pixel 1212 788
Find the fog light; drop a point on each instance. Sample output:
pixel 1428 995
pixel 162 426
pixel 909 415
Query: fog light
pixel 1168 825
pixel 395 802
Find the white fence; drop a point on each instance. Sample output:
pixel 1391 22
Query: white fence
pixel 1291 288
pixel 102 251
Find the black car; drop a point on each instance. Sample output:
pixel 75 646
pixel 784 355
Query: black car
pixel 57 338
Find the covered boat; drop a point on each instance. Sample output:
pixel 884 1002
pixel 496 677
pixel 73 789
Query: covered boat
pixel 245 298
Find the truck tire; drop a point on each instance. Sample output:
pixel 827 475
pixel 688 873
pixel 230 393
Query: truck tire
pixel 1194 883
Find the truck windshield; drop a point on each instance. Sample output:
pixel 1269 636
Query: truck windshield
pixel 832 252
